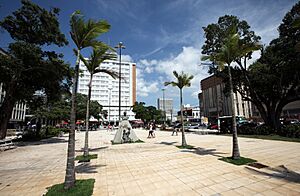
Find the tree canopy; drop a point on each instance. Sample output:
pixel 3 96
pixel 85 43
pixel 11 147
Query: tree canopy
pixel 24 67
pixel 272 81
pixel 146 113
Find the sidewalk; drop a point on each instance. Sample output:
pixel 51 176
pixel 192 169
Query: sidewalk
pixel 156 167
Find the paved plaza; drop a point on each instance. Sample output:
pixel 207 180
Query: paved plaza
pixel 156 167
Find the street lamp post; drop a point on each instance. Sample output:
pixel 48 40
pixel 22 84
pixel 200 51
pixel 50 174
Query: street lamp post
pixel 164 107
pixel 109 99
pixel 120 46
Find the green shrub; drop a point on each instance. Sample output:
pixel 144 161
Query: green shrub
pixel 246 130
pixel 65 130
pixel 52 131
pixel 263 130
pixel 292 131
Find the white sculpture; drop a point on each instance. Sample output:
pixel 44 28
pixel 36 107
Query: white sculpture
pixel 125 134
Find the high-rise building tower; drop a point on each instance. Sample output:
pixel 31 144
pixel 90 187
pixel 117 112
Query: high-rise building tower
pixel 165 105
pixel 105 89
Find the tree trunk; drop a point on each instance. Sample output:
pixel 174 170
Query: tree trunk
pixel 235 145
pixel 86 141
pixel 182 126
pixel 70 169
pixel 6 108
pixel 6 111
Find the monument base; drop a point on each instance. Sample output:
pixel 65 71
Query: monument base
pixel 125 134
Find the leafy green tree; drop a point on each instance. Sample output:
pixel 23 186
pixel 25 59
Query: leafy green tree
pixel 84 34
pixel 231 50
pixel 81 105
pixel 274 79
pixel 146 113
pixel 139 109
pixel 182 80
pixel 100 54
pixel 216 35
pixel 31 27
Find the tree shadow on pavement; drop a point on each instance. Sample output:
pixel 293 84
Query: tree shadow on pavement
pixel 93 149
pixel 278 172
pixel 167 143
pixel 204 151
pixel 87 168
pixel 41 142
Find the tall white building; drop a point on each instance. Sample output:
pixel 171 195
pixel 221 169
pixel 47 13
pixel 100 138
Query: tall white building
pixel 105 89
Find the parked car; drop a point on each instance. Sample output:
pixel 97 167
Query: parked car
pixel 212 126
pixel 193 126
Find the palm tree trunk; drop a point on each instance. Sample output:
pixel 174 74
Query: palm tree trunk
pixel 235 145
pixel 70 170
pixel 182 128
pixel 86 141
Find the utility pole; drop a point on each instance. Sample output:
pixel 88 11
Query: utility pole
pixel 164 105
pixel 120 46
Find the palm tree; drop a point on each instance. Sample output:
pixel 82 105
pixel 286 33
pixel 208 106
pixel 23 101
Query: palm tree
pixel 183 80
pixel 84 34
pixel 99 55
pixel 232 50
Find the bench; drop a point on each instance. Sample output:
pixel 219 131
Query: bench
pixel 7 143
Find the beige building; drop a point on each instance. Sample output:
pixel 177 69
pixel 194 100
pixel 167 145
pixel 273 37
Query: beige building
pixel 215 103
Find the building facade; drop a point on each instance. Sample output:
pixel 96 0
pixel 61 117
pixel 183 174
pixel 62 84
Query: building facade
pixel 105 89
pixel 215 103
pixel 18 113
pixel 166 105
pixel 19 110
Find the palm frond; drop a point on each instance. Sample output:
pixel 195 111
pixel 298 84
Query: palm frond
pixel 84 34
pixel 113 74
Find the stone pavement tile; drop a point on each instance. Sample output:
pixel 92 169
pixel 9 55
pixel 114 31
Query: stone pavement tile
pixel 147 188
pixel 271 193
pixel 132 190
pixel 175 182
pixel 181 188
pixel 161 184
pixel 195 185
pixel 277 181
pixel 231 193
pixel 189 193
pixel 219 179
pixel 208 182
pixel 245 191
pixel 285 191
pixel 258 187
pixel 294 186
pixel 205 191
pixel 97 192
pixel 143 182
pixel 219 188
pixel 229 184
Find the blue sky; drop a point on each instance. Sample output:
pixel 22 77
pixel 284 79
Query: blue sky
pixel 162 35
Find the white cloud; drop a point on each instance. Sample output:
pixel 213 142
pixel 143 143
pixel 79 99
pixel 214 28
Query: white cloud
pixel 145 87
pixel 127 58
pixel 188 61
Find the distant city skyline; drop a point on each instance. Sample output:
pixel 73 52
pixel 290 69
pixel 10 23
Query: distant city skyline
pixel 161 36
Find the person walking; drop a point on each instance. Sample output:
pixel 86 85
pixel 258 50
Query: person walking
pixel 152 127
pixel 153 130
pixel 175 130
